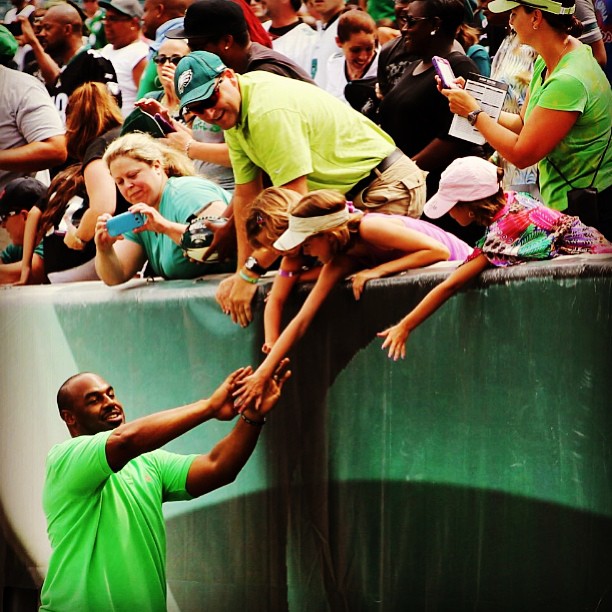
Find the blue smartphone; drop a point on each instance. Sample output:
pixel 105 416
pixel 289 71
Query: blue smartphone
pixel 125 222
pixel 444 71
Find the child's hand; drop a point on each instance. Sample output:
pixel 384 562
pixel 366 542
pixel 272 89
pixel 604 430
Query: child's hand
pixel 360 279
pixel 395 340
pixel 249 391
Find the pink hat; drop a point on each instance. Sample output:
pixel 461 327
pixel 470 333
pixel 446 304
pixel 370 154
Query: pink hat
pixel 465 180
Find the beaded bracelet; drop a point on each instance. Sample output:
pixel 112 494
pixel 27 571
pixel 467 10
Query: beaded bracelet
pixel 188 146
pixel 251 421
pixel 247 278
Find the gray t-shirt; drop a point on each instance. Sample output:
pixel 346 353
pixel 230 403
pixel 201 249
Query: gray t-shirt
pixel 585 12
pixel 27 114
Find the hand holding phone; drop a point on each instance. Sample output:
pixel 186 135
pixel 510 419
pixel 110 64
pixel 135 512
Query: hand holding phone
pixel 125 222
pixel 164 124
pixel 444 71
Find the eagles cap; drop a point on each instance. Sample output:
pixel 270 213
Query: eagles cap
pixel 195 76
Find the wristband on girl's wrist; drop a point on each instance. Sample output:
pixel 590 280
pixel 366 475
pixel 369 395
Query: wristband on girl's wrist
pixel 248 279
pixel 287 273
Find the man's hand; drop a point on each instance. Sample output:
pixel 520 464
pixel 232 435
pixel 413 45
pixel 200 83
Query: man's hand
pixel 221 402
pixel 224 240
pixel 271 388
pixel 238 303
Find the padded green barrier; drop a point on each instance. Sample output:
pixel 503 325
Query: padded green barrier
pixel 473 475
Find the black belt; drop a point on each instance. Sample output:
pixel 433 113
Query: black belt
pixel 374 174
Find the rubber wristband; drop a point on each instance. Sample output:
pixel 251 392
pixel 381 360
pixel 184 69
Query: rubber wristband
pixel 287 273
pixel 247 278
pixel 251 421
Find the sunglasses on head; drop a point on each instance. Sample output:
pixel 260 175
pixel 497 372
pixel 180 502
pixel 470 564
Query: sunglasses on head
pixel 7 216
pixel 201 105
pixel 162 59
pixel 409 20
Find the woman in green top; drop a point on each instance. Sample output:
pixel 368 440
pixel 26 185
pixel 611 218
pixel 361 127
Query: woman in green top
pixel 566 121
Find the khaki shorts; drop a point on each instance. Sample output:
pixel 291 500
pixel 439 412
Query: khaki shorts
pixel 399 190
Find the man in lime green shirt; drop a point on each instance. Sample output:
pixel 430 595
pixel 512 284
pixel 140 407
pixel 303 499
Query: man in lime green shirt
pixel 302 138
pixel 104 490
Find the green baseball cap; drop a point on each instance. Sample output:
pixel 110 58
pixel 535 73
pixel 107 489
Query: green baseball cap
pixel 558 7
pixel 195 76
pixel 8 44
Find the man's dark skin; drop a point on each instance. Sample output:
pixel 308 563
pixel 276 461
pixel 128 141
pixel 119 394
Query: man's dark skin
pixel 88 405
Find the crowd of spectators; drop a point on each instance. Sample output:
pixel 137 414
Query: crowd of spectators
pixel 311 137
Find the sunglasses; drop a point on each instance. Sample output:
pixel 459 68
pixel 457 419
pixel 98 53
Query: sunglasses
pixel 163 59
pixel 409 20
pixel 8 215
pixel 201 105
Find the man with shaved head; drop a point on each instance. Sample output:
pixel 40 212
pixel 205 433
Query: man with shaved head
pixel 104 490
pixel 65 63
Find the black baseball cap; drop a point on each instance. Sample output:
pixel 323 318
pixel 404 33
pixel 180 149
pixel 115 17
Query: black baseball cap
pixel 20 194
pixel 211 18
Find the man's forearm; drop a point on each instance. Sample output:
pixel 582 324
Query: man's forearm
pixel 35 155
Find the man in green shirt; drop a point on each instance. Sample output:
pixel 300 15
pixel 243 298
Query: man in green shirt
pixel 104 490
pixel 303 138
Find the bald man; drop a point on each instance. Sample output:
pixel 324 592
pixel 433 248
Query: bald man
pixel 64 61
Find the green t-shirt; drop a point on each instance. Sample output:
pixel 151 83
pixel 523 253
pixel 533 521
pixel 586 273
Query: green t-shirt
pixel 289 129
pixel 576 84
pixel 183 197
pixel 14 252
pixel 107 529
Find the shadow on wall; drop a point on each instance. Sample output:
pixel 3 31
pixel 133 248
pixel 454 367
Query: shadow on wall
pixel 395 547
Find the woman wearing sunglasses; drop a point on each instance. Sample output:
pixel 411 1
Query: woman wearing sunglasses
pixel 412 112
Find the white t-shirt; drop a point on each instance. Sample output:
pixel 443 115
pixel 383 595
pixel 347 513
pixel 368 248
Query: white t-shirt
pixel 336 74
pixel 324 48
pixel 124 60
pixel 298 45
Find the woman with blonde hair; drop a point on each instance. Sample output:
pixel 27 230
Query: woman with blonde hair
pixel 160 185
pixel 323 225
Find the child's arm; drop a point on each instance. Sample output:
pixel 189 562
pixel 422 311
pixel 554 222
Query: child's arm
pixel 286 278
pixel 418 248
pixel 396 336
pixel 29 244
pixel 252 386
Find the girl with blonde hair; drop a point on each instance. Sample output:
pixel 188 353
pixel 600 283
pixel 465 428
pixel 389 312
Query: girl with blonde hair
pixel 323 225
pixel 159 184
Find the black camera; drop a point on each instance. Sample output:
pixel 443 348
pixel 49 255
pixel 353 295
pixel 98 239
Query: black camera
pixel 14 28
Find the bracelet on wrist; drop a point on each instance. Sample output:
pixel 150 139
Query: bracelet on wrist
pixel 252 265
pixel 248 279
pixel 287 273
pixel 251 421
pixel 188 146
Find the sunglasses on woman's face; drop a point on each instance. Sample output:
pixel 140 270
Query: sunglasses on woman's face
pixel 409 20
pixel 162 59
pixel 201 105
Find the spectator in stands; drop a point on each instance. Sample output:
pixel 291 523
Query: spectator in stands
pixel 328 12
pixel 347 243
pixel 290 35
pixel 591 34
pixel 112 477
pixel 566 124
pixel 94 24
pixel 513 65
pixel 30 64
pixel 394 56
pixel 259 10
pixel 158 18
pixel 158 182
pixel 93 122
pixel 468 38
pixel 63 60
pixel 21 9
pixel 518 229
pixel 219 27
pixel 31 130
pixel 357 58
pixel 127 52
pixel 16 200
pixel 411 112
pixel 318 143
pixel 201 141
